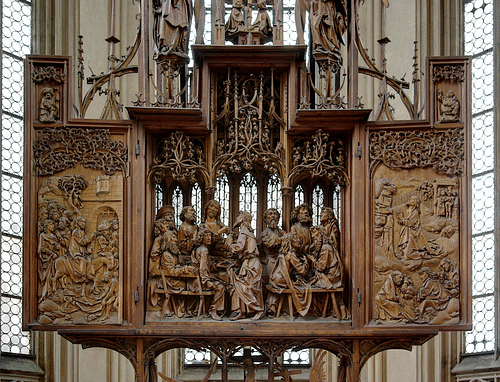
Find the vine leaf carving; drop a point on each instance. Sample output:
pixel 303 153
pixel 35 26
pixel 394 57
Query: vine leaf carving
pixel 454 73
pixel 48 73
pixel 59 149
pixel 319 156
pixel 180 157
pixel 441 150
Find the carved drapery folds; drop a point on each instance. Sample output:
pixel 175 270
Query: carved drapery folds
pixel 319 156
pixel 59 149
pixel 181 158
pixel 441 150
pixel 249 119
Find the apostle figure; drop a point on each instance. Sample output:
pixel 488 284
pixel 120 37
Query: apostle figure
pixel 393 302
pixel 331 226
pixel 187 230
pixel 328 25
pixel 288 273
pixel 201 261
pixel 325 261
pixel 247 283
pixel 301 219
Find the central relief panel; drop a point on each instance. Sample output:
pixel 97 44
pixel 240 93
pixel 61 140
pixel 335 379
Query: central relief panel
pixel 245 224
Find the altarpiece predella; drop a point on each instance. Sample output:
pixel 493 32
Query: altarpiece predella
pixel 248 199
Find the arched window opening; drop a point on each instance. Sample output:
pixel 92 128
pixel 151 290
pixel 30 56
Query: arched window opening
pixel 177 203
pixel 159 197
pixel 318 202
pixel 274 199
pixel 248 196
pixel 300 195
pixel 222 195
pixel 196 200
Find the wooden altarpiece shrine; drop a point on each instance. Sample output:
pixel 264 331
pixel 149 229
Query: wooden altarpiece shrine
pixel 382 260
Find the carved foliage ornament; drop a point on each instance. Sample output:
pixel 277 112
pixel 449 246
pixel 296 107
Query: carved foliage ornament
pixel 180 157
pixel 448 72
pixel 251 116
pixel 60 149
pixel 48 73
pixel 441 150
pixel 319 156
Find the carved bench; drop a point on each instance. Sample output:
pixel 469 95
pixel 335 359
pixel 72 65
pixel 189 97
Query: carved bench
pixel 288 294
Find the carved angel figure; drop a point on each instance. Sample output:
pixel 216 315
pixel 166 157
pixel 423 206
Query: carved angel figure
pixel 247 283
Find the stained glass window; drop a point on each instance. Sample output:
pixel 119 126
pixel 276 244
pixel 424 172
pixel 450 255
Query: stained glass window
pixel 16 44
pixel 478 38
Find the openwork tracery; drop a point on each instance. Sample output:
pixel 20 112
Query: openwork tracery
pixel 59 149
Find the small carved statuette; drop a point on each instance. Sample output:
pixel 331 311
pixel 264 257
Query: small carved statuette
pixel 49 105
pixel 172 21
pixel 448 107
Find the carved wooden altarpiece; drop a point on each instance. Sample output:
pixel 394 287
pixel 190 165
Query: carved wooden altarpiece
pixel 386 266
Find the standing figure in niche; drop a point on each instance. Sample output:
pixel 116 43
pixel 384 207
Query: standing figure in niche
pixel 413 246
pixel 288 273
pixel 200 259
pixel 331 226
pixel 172 21
pixel 271 237
pixel 49 106
pixel 301 218
pixel 247 283
pixel 187 230
pixel 328 25
pixel 394 300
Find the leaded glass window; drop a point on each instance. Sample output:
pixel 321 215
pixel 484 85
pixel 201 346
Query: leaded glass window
pixel 274 199
pixel 318 201
pixel 478 38
pixel 177 203
pixel 300 196
pixel 249 196
pixel 196 199
pixel 15 45
pixel 222 196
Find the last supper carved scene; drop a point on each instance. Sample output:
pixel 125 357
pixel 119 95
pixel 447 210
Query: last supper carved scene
pixel 247 197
